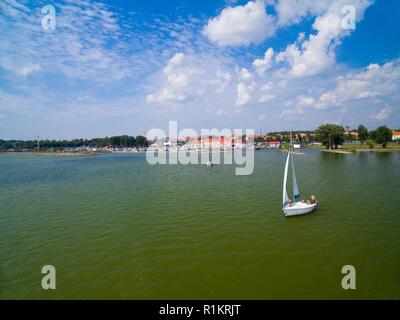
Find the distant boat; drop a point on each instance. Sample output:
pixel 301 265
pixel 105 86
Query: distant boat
pixel 297 207
pixel 209 163
pixel 124 150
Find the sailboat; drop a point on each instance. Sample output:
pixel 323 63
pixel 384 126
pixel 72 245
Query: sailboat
pixel 297 207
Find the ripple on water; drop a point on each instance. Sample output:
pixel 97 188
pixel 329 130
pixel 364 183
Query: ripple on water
pixel 116 227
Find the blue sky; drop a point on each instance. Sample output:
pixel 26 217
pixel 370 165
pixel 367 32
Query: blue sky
pixel 123 67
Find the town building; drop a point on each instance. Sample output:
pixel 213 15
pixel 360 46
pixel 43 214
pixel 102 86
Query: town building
pixel 396 136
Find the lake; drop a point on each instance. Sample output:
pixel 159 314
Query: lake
pixel 116 227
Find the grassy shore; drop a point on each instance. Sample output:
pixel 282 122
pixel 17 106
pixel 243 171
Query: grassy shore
pixel 356 148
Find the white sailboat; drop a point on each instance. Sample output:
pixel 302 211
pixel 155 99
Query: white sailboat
pixel 297 207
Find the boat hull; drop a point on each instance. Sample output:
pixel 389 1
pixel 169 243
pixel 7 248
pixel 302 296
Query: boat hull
pixel 297 209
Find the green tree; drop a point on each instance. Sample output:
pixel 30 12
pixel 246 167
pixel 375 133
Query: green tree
pixel 362 133
pixel 330 135
pixel 141 141
pixel 382 135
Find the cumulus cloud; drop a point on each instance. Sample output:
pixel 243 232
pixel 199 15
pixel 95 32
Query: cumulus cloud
pixel 241 25
pixel 244 74
pixel 189 78
pixel 373 82
pixel 265 63
pixel 221 81
pixel 292 11
pixel 306 101
pixel 243 94
pixel 181 77
pixel 316 54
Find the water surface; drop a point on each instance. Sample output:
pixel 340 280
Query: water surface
pixel 115 227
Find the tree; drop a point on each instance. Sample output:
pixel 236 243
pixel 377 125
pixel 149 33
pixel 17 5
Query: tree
pixel 330 135
pixel 382 135
pixel 142 141
pixel 362 133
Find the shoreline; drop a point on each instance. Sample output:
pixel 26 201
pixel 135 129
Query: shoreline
pixel 360 150
pixel 55 154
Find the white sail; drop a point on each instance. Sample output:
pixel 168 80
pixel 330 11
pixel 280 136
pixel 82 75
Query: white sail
pixel 285 197
pixel 296 193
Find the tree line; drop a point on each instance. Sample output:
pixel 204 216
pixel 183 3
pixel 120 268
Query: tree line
pixel 123 141
pixel 332 135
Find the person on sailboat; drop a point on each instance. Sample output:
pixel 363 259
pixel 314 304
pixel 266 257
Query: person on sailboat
pixel 312 199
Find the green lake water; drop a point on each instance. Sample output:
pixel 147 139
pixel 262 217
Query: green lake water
pixel 116 227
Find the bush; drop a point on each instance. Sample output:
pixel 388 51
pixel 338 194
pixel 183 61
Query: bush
pixel 370 143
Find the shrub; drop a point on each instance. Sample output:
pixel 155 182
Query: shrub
pixel 370 143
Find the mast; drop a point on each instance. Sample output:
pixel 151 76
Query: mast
pixel 296 193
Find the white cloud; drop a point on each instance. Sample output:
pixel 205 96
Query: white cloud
pixel 316 54
pixel 264 64
pixel 266 87
pixel 293 112
pixel 267 97
pixel 182 77
pixel 13 8
pixel 292 11
pixel 21 69
pixel 382 114
pixel 82 46
pixel 243 94
pixel 306 101
pixel 240 25
pixel 373 82
pixel 189 79
pixel 244 74
pixel 223 79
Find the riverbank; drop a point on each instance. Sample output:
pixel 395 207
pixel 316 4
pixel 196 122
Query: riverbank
pixel 335 151
pixel 55 154
pixel 362 148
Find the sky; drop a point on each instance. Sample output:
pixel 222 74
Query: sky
pixel 123 67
